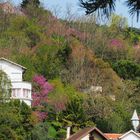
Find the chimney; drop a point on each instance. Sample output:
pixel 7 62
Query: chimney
pixel 68 133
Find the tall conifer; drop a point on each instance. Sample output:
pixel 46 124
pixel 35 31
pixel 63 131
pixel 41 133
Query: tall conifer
pixel 35 3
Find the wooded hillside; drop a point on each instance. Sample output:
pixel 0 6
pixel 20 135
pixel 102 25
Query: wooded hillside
pixel 63 58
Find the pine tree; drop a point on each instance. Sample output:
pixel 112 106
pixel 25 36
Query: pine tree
pixel 35 3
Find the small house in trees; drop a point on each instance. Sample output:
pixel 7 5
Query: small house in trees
pixel 20 89
pixel 87 134
pixel 92 89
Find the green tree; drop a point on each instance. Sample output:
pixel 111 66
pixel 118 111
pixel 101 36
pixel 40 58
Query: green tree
pixel 43 131
pixel 120 119
pixel 127 69
pixel 75 115
pixel 35 3
pixel 67 109
pixel 98 107
pixel 15 121
pixel 5 87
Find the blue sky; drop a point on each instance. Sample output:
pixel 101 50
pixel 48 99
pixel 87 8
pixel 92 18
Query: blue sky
pixel 60 7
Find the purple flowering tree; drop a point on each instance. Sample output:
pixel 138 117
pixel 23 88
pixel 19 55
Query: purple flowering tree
pixel 41 88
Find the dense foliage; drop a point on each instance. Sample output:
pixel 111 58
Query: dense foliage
pixel 65 60
pixel 107 7
pixel 25 3
pixel 15 121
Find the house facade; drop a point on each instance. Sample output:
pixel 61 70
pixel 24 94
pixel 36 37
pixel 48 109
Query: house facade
pixel 130 135
pixel 20 89
pixel 95 134
pixel 92 133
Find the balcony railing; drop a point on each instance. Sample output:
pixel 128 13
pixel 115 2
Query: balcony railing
pixel 21 90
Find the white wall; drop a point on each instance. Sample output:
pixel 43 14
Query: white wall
pixel 13 72
pixel 20 87
pixel 86 137
pixel 130 136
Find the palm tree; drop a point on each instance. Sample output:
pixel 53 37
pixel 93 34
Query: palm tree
pixel 106 7
pixel 134 7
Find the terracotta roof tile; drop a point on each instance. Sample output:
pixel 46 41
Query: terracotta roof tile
pixel 112 135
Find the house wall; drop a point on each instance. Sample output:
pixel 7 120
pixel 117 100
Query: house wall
pixel 96 137
pixel 13 72
pixel 86 137
pixel 22 91
pixel 130 136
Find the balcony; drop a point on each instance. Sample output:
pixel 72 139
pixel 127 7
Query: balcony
pixel 22 91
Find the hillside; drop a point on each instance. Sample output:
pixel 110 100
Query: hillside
pixel 73 56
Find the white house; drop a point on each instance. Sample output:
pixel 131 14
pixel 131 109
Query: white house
pixel 130 135
pixel 89 133
pixel 20 89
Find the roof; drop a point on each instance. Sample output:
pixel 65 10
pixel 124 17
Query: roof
pixel 82 133
pixel 131 131
pixel 112 135
pixel 13 63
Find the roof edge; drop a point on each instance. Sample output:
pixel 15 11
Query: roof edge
pixel 90 129
pixel 131 131
pixel 2 58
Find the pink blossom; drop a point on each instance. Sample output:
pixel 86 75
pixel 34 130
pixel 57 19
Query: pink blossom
pixel 116 43
pixel 41 89
pixel 60 106
pixel 41 115
pixel 76 33
pixel 137 46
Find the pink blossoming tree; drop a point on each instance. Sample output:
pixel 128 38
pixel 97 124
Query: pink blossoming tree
pixel 41 88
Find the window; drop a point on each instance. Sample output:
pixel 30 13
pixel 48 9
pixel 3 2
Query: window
pixel 91 137
pixel 26 93
pixel 13 93
pixel 16 92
